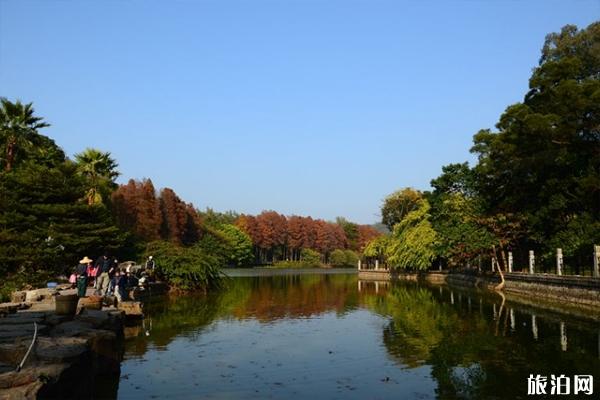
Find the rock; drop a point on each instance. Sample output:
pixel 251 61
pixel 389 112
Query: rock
pixel 9 308
pixel 55 319
pixel 4 368
pixel 47 306
pixel 64 364
pixel 18 297
pixel 23 318
pixel 96 318
pixel 12 353
pixel 60 350
pixel 132 308
pixel 23 392
pixel 28 375
pixel 36 295
pixel 106 351
pixel 71 329
pixel 11 332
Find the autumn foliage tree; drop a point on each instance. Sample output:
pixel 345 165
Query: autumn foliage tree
pixel 137 209
pixel 276 237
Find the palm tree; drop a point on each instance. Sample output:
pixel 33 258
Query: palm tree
pixel 100 170
pixel 18 128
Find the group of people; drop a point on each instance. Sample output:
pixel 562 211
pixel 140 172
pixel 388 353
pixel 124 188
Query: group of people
pixel 107 278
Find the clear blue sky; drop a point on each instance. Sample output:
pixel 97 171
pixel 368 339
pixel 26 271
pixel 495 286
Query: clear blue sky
pixel 316 108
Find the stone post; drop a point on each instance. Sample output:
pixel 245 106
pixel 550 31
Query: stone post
pixel 376 264
pixel 451 297
pixel 359 264
pixel 510 261
pixel 531 262
pixel 596 261
pixel 513 323
pixel 559 261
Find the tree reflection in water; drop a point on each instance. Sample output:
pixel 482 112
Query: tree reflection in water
pixel 455 344
pixel 486 351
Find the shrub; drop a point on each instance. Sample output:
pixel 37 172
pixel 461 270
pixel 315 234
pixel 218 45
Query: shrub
pixel 311 257
pixel 185 268
pixel 343 258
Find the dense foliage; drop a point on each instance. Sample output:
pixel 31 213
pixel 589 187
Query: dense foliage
pixel 45 225
pixel 186 268
pixel 279 238
pixel 536 185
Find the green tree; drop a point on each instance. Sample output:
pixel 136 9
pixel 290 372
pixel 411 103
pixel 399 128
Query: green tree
pixel 377 248
pixel 343 258
pixel 44 226
pixel 397 205
pixel 542 165
pixel 351 231
pixel 100 171
pixel 19 134
pixel 412 243
pixel 237 245
pixel 185 268
pixel 310 257
pixel 457 216
pixel 216 219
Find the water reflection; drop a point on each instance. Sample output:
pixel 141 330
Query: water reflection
pixel 483 354
pixel 332 336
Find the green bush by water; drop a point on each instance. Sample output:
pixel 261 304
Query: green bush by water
pixel 185 268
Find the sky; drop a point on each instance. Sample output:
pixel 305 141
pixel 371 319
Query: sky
pixel 305 107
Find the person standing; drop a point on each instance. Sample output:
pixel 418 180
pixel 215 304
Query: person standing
pixel 105 268
pixel 121 286
pixel 92 273
pixel 81 272
pixel 150 264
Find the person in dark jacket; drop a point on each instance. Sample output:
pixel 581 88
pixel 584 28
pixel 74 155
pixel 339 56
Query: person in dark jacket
pixel 81 272
pixel 105 269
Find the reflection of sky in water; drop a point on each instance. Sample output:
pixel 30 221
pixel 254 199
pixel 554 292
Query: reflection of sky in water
pixel 324 357
pixel 319 337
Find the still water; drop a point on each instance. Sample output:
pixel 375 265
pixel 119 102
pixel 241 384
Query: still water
pixel 329 336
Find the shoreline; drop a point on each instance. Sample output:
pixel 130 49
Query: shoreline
pixel 563 294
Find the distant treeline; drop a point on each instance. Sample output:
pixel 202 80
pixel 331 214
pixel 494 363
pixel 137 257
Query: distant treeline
pixel 150 215
pixel 277 237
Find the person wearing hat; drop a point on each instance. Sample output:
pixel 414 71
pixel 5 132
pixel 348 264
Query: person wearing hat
pixel 81 272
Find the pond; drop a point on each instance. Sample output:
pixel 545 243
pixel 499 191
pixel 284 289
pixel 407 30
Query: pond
pixel 328 336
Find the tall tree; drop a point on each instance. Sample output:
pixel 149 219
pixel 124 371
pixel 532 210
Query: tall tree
pixel 398 204
pixel 412 243
pixel 100 171
pixel 136 209
pixel 542 165
pixel 19 131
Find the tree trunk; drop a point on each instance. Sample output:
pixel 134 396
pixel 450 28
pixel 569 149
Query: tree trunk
pixel 499 286
pixel 10 154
